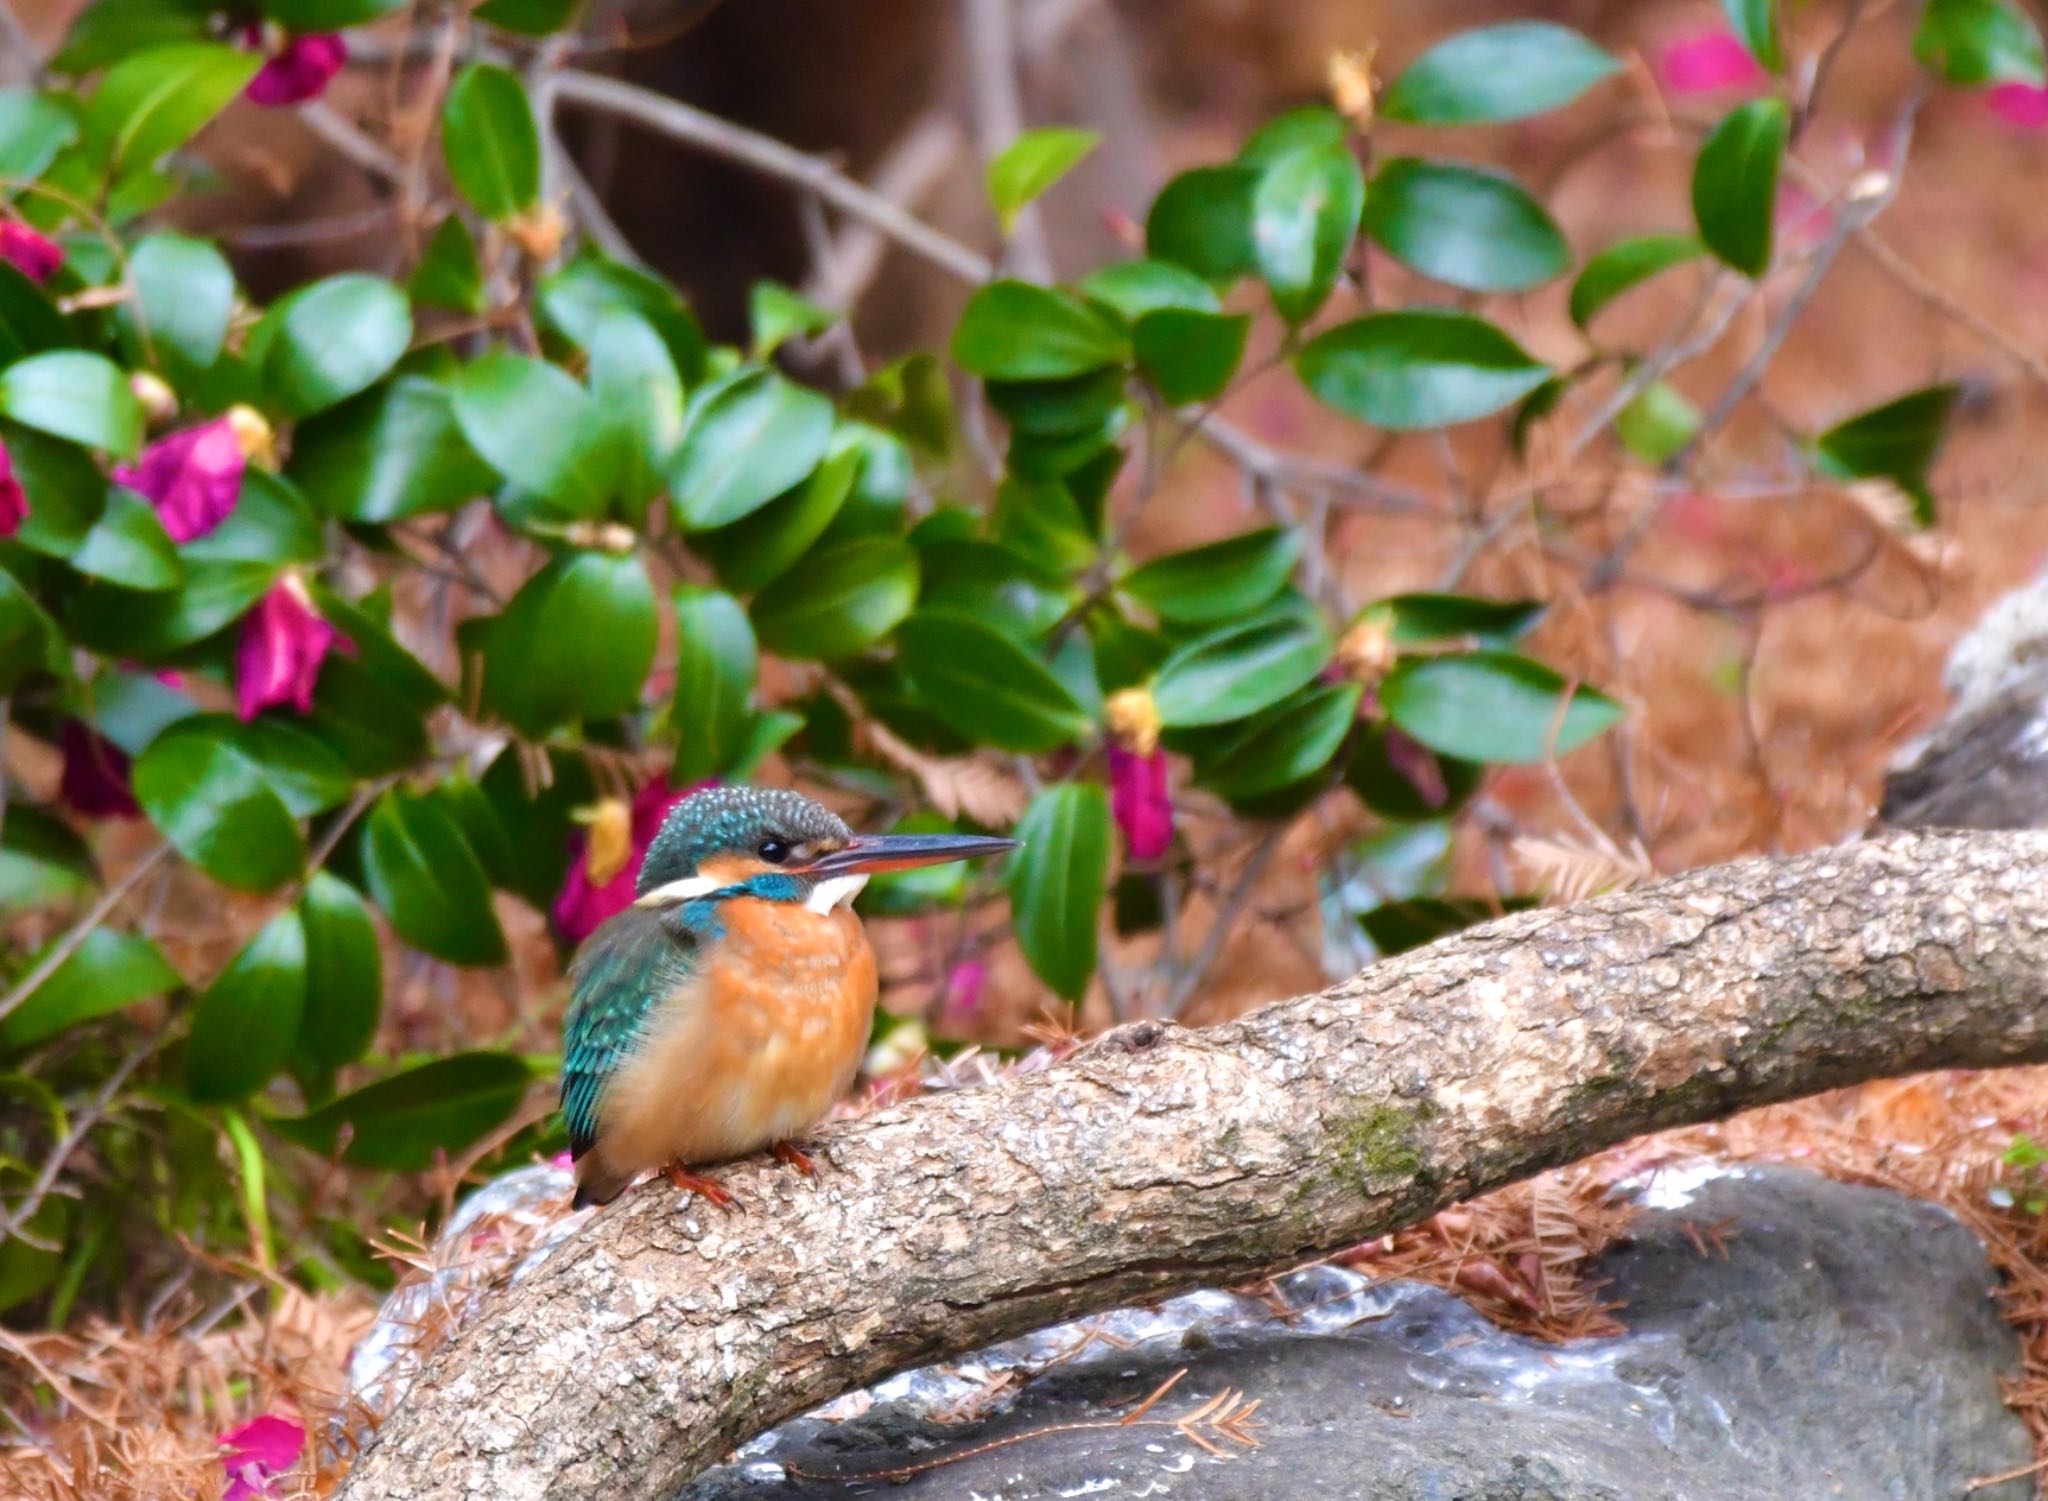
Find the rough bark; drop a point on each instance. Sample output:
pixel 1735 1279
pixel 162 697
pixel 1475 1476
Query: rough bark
pixel 1160 1158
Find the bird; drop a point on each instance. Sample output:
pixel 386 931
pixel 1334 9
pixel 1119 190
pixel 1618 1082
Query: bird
pixel 729 1006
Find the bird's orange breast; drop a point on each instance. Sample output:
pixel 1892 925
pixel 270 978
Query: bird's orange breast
pixel 756 1048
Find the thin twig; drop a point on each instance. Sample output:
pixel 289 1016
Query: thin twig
pixel 989 32
pixel 68 945
pixel 14 1222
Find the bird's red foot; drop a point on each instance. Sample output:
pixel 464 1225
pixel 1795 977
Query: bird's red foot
pixel 708 1189
pixel 786 1153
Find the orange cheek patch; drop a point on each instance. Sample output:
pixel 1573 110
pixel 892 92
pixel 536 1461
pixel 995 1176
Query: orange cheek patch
pixel 731 870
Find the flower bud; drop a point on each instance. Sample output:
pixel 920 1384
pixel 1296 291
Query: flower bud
pixel 1133 720
pixel 159 401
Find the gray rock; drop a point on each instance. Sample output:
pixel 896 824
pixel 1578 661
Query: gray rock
pixel 1846 1347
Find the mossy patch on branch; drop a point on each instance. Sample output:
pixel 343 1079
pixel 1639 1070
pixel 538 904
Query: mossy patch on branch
pixel 1379 1146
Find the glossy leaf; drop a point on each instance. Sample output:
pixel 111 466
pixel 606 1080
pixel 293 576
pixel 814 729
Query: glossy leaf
pixel 759 548
pixel 29 323
pixel 448 275
pixel 217 805
pixel 1464 225
pixel 1975 42
pixel 1013 330
pixel 639 396
pixel 1420 368
pixel 72 394
pixel 576 300
pixel 1004 588
pixel 1134 288
pixel 1190 356
pixel 1400 778
pixel 776 314
pixel 248 1018
pixel 1493 706
pixel 744 443
pixel 128 546
pixel 152 102
pixel 1292 740
pixel 1202 220
pixel 1448 617
pixel 1305 211
pixel 532 422
pixel 489 141
pixel 423 873
pixel 307 776
pixel 716 664
pixel 110 970
pixel 1896 441
pixel 986 686
pixel 325 342
pixel 1032 163
pixel 184 295
pixel 1735 184
pixel 1232 673
pixel 1756 23
pixel 43 862
pixel 33 129
pixel 1496 73
pixel 1397 927
pixel 395 451
pixel 839 601
pixel 1311 128
pixel 576 643
pixel 527 17
pixel 1057 882
pixel 344 989
pixel 405 1122
pixel 1624 265
pixel 1218 582
pixel 1658 424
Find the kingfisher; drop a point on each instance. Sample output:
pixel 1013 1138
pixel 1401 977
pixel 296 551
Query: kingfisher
pixel 729 1007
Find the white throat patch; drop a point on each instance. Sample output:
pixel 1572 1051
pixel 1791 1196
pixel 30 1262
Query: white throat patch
pixel 684 890
pixel 837 892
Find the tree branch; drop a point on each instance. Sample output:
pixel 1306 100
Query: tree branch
pixel 1162 1158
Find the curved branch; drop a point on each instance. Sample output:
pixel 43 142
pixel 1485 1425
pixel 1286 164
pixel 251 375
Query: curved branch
pixel 1161 1158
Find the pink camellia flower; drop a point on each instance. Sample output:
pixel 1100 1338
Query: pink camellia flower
pixel 13 499
pixel 603 866
pixel 2022 104
pixel 35 256
pixel 94 782
pixel 1137 797
pixel 1709 62
pixel 192 476
pixel 257 1453
pixel 283 643
pixel 298 71
pixel 962 995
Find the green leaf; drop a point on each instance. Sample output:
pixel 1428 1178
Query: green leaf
pixel 1057 882
pixel 326 15
pixel 344 975
pixel 217 805
pixel 128 546
pixel 639 398
pixel 1202 220
pixel 423 873
pixel 1312 128
pixel 1975 42
pixel 758 549
pixel 33 129
pixel 448 275
pixel 985 685
pixel 1896 441
pixel 776 314
pixel 1624 265
pixel 1447 617
pixel 325 342
pixel 1013 330
pixel 1464 225
pixel 394 451
pixel 1493 706
pixel 537 427
pixel 489 141
pixel 838 602
pixel 29 324
pixel 305 774
pixel 1735 184
pixel 110 970
pixel 1425 367
pixel 716 665
pixel 528 17
pixel 1059 408
pixel 30 641
pixel 1657 424
pixel 184 293
pixel 1305 211
pixel 66 492
pixel 43 862
pixel 1398 777
pixel 1397 927
pixel 1132 289
pixel 152 102
pixel 1291 741
pixel 577 299
pixel 576 643
pixel 1002 586
pixel 745 441
pixel 75 395
pixel 403 1123
pixel 1756 23
pixel 910 399
pixel 1496 73
pixel 1219 581
pixel 1232 673
pixel 1032 163
pixel 248 1019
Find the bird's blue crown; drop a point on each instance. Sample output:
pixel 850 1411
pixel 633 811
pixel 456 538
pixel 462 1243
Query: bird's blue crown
pixel 734 820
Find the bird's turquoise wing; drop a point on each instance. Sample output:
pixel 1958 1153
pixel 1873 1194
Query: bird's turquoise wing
pixel 619 977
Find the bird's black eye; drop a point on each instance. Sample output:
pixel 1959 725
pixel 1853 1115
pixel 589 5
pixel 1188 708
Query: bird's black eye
pixel 774 851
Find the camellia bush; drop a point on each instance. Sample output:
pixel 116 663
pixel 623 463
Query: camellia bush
pixel 244 593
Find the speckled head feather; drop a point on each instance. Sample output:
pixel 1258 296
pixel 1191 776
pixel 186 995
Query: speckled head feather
pixel 726 820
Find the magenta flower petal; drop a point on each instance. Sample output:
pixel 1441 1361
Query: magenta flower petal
pixel 35 256
pixel 299 71
pixel 257 1452
pixel 584 905
pixel 283 643
pixel 13 499
pixel 1709 62
pixel 94 781
pixel 962 996
pixel 193 477
pixel 2022 104
pixel 1139 801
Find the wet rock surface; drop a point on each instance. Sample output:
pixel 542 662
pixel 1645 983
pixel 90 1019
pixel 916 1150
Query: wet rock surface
pixel 1845 1346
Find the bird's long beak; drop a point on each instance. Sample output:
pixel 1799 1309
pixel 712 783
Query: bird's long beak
pixel 875 852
